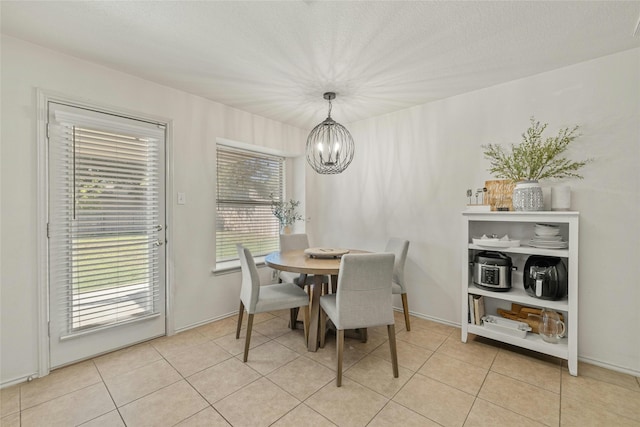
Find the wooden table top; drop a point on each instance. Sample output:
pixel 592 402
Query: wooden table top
pixel 297 262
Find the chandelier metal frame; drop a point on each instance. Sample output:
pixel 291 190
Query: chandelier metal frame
pixel 330 147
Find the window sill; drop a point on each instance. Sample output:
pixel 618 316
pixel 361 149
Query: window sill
pixel 233 266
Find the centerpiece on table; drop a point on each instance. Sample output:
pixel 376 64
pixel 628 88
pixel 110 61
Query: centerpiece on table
pixel 532 160
pixel 286 212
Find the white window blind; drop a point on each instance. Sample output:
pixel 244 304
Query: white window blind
pixel 245 182
pixel 103 217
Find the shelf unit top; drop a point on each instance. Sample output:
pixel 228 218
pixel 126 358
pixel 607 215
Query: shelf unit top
pixel 522 216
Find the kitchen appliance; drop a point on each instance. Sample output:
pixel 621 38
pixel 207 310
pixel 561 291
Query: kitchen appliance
pixel 492 271
pixel 545 277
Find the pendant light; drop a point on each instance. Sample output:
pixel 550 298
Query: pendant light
pixel 330 147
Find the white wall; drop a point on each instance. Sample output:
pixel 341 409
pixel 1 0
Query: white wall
pixel 198 295
pixel 419 163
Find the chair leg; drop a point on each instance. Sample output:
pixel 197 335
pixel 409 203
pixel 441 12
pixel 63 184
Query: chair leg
pixel 293 317
pixel 391 331
pixel 405 306
pixel 240 313
pixel 364 334
pixel 339 350
pixel 247 339
pixel 305 322
pixel 323 327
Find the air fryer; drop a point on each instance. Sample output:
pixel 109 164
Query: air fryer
pixel 545 277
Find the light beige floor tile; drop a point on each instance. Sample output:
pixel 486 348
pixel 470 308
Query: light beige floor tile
pixel 393 415
pixel 422 338
pixel 165 407
pixel 327 355
pixel 236 346
pixel 208 417
pixel 178 342
pixel 221 380
pixel 608 376
pixel 585 414
pixel 71 409
pixel 198 358
pixel 219 328
pixel 268 357
pixel 454 372
pixel 141 382
pixel 525 399
pixel 261 403
pixel 12 420
pixel 528 369
pixel 349 405
pixel 294 339
pixel 432 326
pixel 110 419
pixel 610 397
pixel 273 328
pixel 58 383
pixel 125 360
pixel 302 415
pixel 410 356
pixel 475 353
pixel 374 340
pixel 302 377
pixel 439 402
pixel 377 374
pixel 10 400
pixel 485 413
pixel 257 318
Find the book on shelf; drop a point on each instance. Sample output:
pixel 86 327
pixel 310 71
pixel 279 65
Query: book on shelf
pixel 472 315
pixel 478 308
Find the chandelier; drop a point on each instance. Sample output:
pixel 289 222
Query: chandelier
pixel 330 147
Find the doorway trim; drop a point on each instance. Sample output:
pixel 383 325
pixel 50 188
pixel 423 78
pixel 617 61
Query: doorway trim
pixel 43 97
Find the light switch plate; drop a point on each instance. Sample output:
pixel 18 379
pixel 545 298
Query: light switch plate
pixel 182 198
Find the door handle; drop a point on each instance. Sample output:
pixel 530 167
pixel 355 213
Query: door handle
pixel 158 242
pixel 159 227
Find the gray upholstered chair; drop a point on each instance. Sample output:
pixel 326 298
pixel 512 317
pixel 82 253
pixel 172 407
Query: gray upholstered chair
pixel 399 248
pixel 362 300
pixel 291 242
pixel 259 299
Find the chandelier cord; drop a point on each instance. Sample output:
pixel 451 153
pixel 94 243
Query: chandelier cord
pixel 329 109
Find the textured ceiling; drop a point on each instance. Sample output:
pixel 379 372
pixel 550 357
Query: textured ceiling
pixel 275 59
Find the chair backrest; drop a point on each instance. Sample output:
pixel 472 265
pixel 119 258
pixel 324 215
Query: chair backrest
pixel 364 291
pixel 399 248
pixel 291 242
pixel 250 289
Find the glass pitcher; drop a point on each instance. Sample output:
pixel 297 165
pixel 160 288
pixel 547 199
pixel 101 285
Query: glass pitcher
pixel 550 327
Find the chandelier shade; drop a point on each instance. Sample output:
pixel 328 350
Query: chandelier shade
pixel 330 147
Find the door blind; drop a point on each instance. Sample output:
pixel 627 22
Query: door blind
pixel 104 217
pixel 246 183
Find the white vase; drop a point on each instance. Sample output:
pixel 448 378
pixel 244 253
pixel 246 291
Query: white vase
pixel 527 196
pixel 561 198
pixel 285 229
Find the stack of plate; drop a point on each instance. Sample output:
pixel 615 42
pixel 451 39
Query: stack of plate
pixel 548 236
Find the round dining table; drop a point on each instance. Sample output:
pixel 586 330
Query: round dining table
pixel 297 261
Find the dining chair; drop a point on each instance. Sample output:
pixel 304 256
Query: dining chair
pixel 399 248
pixel 363 299
pixel 291 242
pixel 259 299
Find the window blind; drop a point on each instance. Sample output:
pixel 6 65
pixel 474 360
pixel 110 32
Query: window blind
pixel 103 217
pixel 246 181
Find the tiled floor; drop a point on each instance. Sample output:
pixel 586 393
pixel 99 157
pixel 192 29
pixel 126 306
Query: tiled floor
pixel 197 378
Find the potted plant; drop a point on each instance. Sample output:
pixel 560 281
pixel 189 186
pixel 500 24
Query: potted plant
pixel 285 212
pixel 532 160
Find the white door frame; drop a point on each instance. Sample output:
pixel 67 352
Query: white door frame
pixel 42 259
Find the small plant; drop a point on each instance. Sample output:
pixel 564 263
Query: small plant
pixel 535 158
pixel 285 211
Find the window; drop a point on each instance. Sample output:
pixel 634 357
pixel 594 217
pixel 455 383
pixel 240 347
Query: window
pixel 246 182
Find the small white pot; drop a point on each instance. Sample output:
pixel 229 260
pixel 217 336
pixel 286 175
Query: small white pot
pixel 527 196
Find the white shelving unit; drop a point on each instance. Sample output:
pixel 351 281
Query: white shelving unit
pixel 520 226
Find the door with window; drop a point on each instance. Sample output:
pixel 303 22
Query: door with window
pixel 106 232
